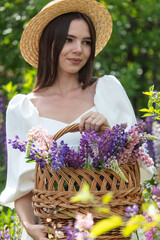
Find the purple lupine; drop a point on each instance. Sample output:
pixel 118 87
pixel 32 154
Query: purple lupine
pixel 58 155
pixel 16 144
pixel 149 122
pixel 5 235
pixel 153 232
pixel 70 232
pixel 89 148
pixel 119 140
pixel 74 159
pixel 94 151
pixel 3 146
pixel 132 211
pixel 156 143
pixel 156 191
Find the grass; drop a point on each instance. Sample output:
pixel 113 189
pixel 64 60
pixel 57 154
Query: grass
pixel 2 178
pixel 10 227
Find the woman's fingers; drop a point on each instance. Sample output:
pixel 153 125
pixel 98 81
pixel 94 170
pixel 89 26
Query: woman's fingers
pixel 40 232
pixel 93 121
pixel 85 121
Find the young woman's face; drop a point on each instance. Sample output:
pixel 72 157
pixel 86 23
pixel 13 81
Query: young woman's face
pixel 77 48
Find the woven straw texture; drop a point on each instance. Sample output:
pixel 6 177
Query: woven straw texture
pixel 54 190
pixel 29 44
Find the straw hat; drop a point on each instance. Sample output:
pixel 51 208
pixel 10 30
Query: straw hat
pixel 29 44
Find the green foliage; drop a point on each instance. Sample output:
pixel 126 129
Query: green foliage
pixel 13 18
pixel 9 221
pixel 153 104
pixel 2 177
pixel 10 89
pixel 132 54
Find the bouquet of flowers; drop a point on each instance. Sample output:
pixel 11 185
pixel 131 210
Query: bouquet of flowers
pixel 115 147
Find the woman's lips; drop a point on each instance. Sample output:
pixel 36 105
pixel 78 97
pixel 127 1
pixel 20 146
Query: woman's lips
pixel 75 60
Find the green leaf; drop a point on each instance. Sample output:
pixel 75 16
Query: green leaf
pixel 30 161
pixel 151 89
pixel 151 109
pixel 158 106
pixel 144 110
pixel 150 103
pixel 147 93
pixel 105 225
pixel 148 115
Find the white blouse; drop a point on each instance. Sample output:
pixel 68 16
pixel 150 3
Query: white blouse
pixel 110 99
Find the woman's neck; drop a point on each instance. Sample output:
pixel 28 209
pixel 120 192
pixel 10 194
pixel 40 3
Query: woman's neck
pixel 66 83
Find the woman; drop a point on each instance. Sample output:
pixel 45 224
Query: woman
pixel 61 41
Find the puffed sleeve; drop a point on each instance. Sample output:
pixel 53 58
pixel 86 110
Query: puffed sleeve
pixel 20 117
pixel 112 101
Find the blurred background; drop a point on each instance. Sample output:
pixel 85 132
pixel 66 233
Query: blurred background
pixel 132 54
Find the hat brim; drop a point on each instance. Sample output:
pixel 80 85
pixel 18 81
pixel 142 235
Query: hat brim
pixel 29 44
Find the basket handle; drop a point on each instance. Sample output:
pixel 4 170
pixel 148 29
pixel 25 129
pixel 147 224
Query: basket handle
pixel 72 128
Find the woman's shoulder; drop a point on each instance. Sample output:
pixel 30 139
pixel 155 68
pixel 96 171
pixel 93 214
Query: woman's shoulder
pixel 16 100
pixel 109 85
pixel 20 104
pixel 108 81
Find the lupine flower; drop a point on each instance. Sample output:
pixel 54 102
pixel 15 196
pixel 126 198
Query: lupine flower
pixel 80 230
pixel 156 191
pixel 43 139
pixel 149 121
pixel 156 143
pixel 58 154
pixel 153 232
pixel 132 211
pixel 113 165
pixel 3 147
pixel 113 148
pixel 5 235
pixel 84 222
pixel 16 144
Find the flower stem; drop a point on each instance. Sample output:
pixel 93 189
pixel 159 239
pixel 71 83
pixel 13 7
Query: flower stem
pixel 137 235
pixel 68 214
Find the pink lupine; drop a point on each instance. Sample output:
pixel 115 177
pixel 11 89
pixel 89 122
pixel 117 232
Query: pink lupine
pixel 44 140
pixel 144 157
pixel 84 222
pixel 125 156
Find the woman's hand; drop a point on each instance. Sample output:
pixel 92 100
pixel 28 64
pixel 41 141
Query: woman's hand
pixel 29 220
pixel 38 232
pixel 93 121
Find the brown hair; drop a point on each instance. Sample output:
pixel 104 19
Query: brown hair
pixel 57 31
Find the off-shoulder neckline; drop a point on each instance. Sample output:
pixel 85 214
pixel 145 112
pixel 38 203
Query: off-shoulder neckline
pixel 51 119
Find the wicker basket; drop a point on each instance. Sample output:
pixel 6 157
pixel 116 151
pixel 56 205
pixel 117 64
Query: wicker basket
pixel 54 190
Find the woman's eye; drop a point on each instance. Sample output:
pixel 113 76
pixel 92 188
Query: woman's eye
pixel 87 43
pixel 68 40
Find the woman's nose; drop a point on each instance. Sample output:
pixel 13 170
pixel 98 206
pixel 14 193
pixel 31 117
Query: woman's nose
pixel 77 47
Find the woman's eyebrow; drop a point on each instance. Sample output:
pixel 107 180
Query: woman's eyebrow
pixel 72 36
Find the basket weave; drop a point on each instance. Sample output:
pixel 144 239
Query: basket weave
pixel 54 190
